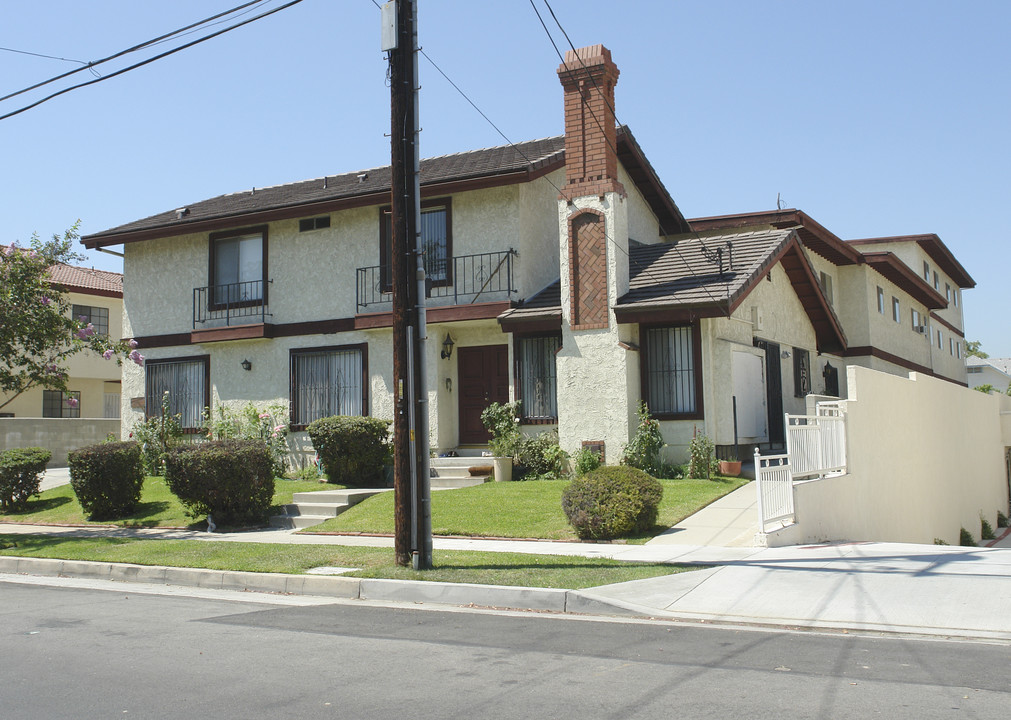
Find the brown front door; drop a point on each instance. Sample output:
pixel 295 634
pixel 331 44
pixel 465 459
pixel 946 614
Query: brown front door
pixel 484 379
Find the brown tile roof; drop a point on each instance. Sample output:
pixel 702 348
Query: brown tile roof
pixel 87 280
pixel 681 275
pixel 529 156
pixel 933 246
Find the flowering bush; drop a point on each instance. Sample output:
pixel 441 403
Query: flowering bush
pixel 252 423
pixel 502 421
pixel 38 334
pixel 156 435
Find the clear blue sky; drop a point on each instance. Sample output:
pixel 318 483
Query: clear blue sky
pixel 875 118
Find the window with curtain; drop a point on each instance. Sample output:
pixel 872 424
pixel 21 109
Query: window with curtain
pixel 670 374
pixel 327 381
pixel 538 389
pixel 237 266
pixel 185 380
pixel 436 239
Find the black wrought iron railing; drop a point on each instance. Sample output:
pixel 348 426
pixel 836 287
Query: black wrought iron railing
pixel 233 304
pixel 474 278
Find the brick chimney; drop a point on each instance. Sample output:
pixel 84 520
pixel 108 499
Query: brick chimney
pixel 591 164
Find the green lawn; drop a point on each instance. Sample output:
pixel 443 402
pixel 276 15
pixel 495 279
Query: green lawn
pixel 519 509
pixel 158 507
pixel 550 571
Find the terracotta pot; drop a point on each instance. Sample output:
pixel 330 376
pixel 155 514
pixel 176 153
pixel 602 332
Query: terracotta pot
pixel 730 468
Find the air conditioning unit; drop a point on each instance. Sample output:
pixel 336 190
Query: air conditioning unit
pixel 922 329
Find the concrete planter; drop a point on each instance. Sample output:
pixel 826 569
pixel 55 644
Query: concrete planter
pixel 502 468
pixel 730 468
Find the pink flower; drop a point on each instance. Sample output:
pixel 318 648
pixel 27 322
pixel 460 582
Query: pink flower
pixel 132 343
pixel 136 357
pixel 86 332
pixel 264 416
pixel 72 402
pixel 45 300
pixel 279 428
pixel 107 354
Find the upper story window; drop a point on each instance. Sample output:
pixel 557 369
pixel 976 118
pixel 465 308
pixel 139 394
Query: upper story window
pixel 538 388
pixel 186 380
pixel 958 350
pixel 881 300
pixel 974 369
pixel 436 239
pixel 239 266
pixel 940 343
pixel 97 316
pixel 954 296
pixel 937 282
pixel 672 372
pixel 947 292
pixel 896 313
pixel 826 286
pixel 327 381
pixel 316 223
pixel 926 271
pixel 915 315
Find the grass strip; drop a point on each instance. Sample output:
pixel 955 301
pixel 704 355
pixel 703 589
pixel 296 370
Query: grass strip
pixel 158 506
pixel 484 568
pixel 520 509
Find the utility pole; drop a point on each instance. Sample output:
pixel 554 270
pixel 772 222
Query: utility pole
pixel 412 513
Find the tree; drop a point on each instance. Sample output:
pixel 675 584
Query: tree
pixel 972 349
pixel 37 333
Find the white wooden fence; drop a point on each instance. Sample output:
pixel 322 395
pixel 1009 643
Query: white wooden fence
pixel 815 447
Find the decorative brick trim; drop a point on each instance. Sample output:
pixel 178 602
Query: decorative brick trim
pixel 588 271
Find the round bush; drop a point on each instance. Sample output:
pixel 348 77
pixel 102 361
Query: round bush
pixel 107 478
pixel 353 449
pixel 21 475
pixel 231 480
pixel 612 501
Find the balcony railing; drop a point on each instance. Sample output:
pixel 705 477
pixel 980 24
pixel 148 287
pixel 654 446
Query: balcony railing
pixel 474 278
pixel 233 304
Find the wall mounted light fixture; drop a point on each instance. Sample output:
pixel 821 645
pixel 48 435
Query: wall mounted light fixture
pixel 447 347
pixel 449 384
pixel 246 365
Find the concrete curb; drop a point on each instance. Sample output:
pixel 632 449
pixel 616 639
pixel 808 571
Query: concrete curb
pixel 411 591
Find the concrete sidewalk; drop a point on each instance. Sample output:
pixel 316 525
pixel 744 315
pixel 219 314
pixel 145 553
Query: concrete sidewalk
pixel 878 587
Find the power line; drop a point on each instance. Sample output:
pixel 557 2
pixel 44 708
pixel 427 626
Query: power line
pixel 52 57
pixel 144 62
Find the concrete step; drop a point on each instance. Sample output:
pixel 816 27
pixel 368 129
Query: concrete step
pixel 297 522
pixel 459 462
pixel 312 508
pixel 450 483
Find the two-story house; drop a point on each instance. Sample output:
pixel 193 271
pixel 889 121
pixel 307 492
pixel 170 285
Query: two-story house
pixel 562 275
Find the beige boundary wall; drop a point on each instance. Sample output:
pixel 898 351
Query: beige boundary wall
pixel 926 458
pixel 58 435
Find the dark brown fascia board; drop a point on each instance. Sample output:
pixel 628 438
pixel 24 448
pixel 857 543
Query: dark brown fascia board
pixel 234 332
pixel 452 313
pixel 639 168
pixel 935 249
pixel 934 316
pixel 531 324
pixel 870 350
pixel 801 275
pixel 289 212
pixel 651 314
pixel 823 241
pixel 890 267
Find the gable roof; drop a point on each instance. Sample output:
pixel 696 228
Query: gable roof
pixel 88 281
pixel 1000 364
pixel 936 251
pixel 442 175
pixel 677 281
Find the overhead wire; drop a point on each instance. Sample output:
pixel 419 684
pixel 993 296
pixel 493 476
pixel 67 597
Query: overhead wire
pixel 146 61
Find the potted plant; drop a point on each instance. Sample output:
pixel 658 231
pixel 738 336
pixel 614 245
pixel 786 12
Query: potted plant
pixel 502 421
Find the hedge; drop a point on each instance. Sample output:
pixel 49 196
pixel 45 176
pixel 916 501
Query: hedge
pixel 107 478
pixel 353 449
pixel 612 501
pixel 229 480
pixel 21 476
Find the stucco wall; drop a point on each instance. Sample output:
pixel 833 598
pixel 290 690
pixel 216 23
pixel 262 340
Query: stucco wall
pixel 926 457
pixel 57 435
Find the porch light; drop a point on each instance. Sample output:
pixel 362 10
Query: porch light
pixel 246 365
pixel 447 347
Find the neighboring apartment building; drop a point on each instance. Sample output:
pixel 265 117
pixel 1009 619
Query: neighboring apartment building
pixel 562 272
pixel 93 384
pixel 995 372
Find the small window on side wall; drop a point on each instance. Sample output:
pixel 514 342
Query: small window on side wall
pixel 316 223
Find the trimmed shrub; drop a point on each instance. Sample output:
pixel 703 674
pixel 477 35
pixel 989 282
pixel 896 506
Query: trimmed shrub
pixel 612 501
pixel 231 480
pixel 965 538
pixel 21 476
pixel 353 449
pixel 107 478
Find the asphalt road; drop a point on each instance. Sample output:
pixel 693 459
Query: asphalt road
pixel 71 652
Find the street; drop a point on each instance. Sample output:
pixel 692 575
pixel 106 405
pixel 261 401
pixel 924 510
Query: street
pixel 75 652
